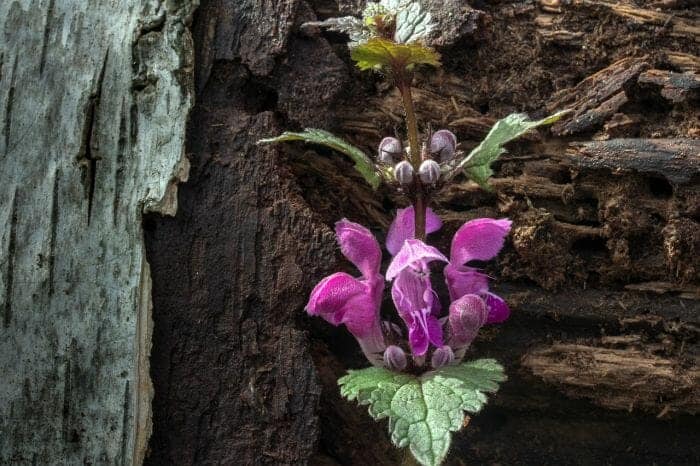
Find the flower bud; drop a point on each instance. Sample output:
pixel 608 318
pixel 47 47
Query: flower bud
pixel 467 315
pixel 442 356
pixel 443 145
pixel 389 149
pixel 429 172
pixel 403 172
pixel 394 358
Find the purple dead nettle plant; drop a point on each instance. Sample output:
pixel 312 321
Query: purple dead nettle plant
pixel 418 377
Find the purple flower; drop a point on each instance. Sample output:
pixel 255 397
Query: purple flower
pixel 403 227
pixel 355 301
pixel 480 239
pixel 343 299
pixel 413 294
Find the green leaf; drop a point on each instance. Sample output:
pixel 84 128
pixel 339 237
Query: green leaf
pixel 413 23
pixel 378 53
pixel 363 164
pixel 423 411
pixel 477 165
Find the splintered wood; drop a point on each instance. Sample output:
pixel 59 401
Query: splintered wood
pixel 625 377
pixel 677 160
pixel 676 87
pixel 597 98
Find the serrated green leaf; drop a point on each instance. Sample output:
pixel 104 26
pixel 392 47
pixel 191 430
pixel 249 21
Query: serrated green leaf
pixel 363 164
pixel 423 411
pixel 380 53
pixel 477 164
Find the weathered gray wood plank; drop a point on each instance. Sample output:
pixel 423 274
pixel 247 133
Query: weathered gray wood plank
pixel 93 102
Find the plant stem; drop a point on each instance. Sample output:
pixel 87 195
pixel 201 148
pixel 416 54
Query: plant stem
pixel 419 205
pixel 411 122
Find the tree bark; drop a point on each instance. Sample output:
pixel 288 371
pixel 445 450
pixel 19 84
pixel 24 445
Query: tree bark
pixel 93 103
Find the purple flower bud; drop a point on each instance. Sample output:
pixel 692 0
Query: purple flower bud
pixel 442 356
pixel 443 144
pixel 403 172
pixel 389 150
pixel 429 172
pixel 395 358
pixel 467 315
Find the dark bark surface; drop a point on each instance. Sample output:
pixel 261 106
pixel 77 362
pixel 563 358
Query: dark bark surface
pixel 601 269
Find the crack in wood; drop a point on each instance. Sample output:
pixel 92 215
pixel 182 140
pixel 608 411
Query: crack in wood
pixel 9 277
pixel 67 389
pixel 8 107
pixel 88 154
pixel 125 425
pixel 122 142
pixel 54 226
pixel 45 39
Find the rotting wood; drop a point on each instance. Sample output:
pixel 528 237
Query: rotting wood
pixel 620 125
pixel 625 378
pixel 93 102
pixel 596 98
pixel 561 36
pixel 676 160
pixel 686 62
pixel 677 26
pixel 591 232
pixel 684 291
pixel 676 87
pixel 550 6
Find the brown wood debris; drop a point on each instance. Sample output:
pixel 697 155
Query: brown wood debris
pixel 621 125
pixel 560 35
pixel 596 98
pixel 675 87
pixel 624 377
pixel 684 291
pixel 675 25
pixel 675 159
pixel 683 61
pixel 550 6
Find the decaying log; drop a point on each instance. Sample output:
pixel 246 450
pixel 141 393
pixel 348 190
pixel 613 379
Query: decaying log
pixel 677 26
pixel 596 98
pixel 677 160
pixel 676 87
pixel 684 61
pixel 94 97
pixel 625 377
pixel 243 375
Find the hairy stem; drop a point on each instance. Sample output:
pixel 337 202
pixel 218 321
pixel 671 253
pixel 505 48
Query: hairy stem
pixel 411 122
pixel 404 86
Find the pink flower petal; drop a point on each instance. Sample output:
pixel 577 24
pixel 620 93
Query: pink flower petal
pixel 423 332
pixel 408 291
pixel 498 309
pixel 463 280
pixel 414 252
pixel 479 239
pixel 415 301
pixel 342 299
pixel 331 295
pixel 403 227
pixel 359 245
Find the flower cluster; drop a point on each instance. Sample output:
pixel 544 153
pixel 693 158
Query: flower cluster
pixel 343 299
pixel 435 159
